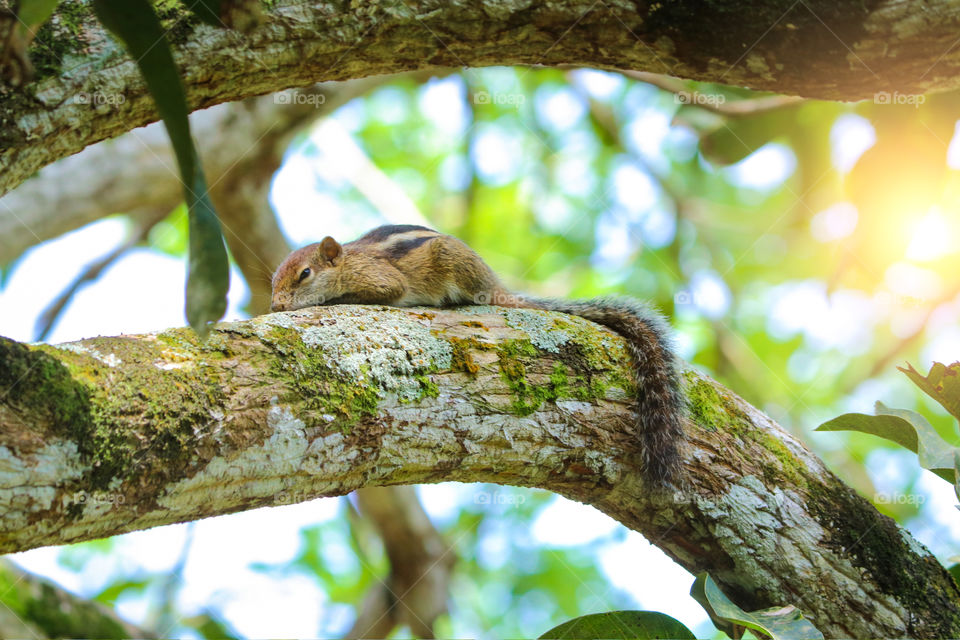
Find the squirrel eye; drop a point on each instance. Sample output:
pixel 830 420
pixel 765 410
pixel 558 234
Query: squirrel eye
pixel 304 274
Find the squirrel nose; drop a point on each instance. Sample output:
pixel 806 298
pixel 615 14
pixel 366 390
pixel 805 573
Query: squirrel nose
pixel 276 306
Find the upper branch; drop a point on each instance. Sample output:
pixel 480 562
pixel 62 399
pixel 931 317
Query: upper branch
pixel 88 90
pixel 109 435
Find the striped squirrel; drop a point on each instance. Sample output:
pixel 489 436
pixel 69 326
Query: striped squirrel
pixel 410 265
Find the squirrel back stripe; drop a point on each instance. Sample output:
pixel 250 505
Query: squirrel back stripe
pixel 410 265
pixel 382 233
pixel 399 249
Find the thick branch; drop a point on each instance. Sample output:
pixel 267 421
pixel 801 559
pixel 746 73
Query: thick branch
pixel 87 90
pixel 136 173
pixel 110 435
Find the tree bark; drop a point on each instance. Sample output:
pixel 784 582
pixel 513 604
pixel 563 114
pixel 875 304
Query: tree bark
pixel 110 435
pixel 88 90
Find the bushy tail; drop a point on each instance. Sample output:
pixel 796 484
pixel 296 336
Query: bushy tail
pixel 660 405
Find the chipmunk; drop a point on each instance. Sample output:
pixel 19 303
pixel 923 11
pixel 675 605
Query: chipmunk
pixel 410 265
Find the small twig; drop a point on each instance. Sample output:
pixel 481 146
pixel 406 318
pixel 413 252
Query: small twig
pixel 167 618
pixel 736 108
pixel 52 313
pixel 883 362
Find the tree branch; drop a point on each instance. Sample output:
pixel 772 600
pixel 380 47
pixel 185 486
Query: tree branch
pixel 136 173
pixel 109 435
pixel 87 90
pixel 31 607
pixel 681 88
pixel 421 562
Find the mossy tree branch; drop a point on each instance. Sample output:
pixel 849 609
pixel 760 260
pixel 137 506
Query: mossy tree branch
pixel 36 608
pixel 109 435
pixel 88 90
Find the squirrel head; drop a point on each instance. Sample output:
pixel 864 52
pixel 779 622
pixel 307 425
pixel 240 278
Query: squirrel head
pixel 308 277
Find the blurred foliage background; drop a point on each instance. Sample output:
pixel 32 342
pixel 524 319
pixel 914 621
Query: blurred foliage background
pixel 803 249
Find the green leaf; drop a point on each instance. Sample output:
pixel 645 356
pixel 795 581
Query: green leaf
pixel 942 384
pixel 739 137
pixel 786 623
pixel 956 475
pixel 907 428
pixel 170 235
pixel 136 24
pixel 33 13
pixel 210 626
pixel 114 590
pixel 621 624
pixel 954 570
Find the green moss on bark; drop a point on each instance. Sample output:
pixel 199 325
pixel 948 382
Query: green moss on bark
pixel 882 551
pixel 138 395
pixel 38 385
pixel 529 394
pixel 461 358
pixel 61 38
pixel 710 410
pixel 326 397
pixel 50 610
pixel 78 395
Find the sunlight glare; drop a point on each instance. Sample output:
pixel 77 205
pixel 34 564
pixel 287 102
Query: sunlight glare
pixel 443 102
pixel 913 282
pixel 834 223
pixel 565 523
pixel 765 169
pixel 850 136
pixel 934 236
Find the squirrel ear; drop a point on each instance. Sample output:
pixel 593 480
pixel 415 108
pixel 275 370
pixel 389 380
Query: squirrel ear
pixel 330 250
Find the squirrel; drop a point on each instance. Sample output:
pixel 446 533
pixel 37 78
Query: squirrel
pixel 411 265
